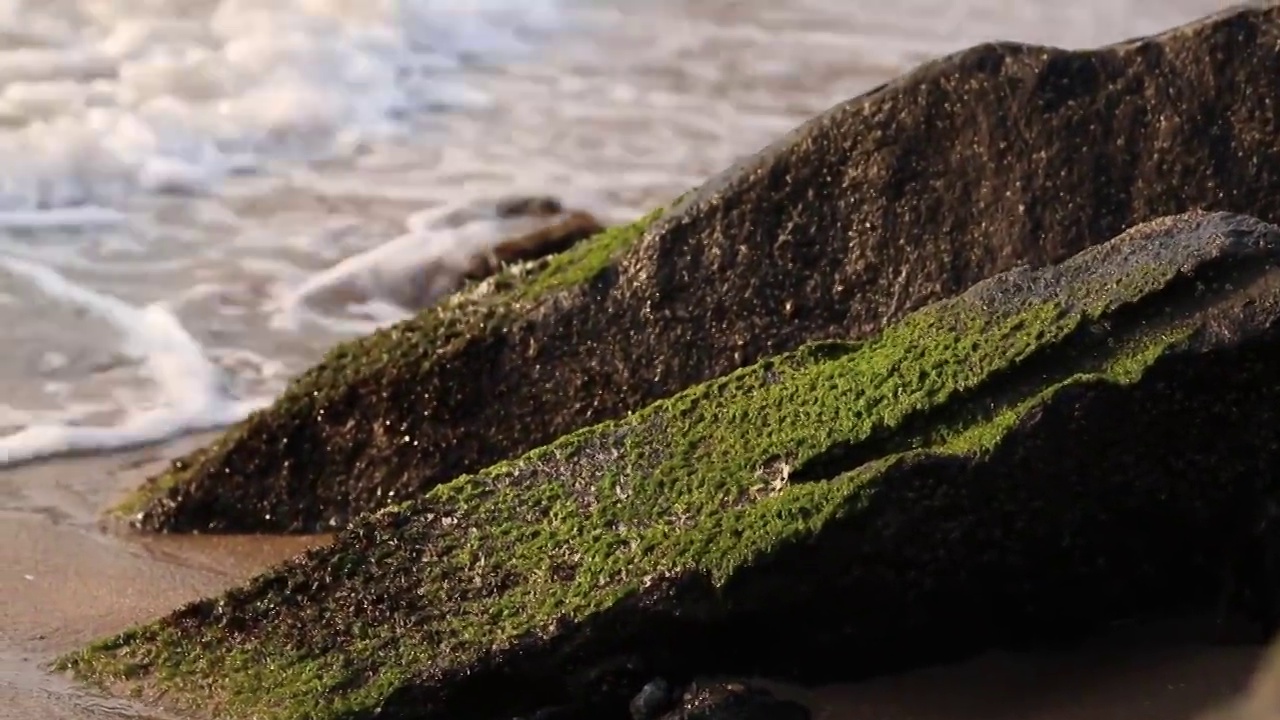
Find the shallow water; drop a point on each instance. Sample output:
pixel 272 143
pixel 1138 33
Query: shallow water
pixel 175 170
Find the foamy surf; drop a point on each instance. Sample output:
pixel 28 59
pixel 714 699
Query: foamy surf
pixel 190 391
pixel 106 99
pixel 387 283
pixel 72 217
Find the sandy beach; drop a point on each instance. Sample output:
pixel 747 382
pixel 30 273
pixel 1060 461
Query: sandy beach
pixel 1149 673
pixel 70 578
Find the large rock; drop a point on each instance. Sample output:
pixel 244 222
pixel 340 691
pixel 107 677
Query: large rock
pixel 998 155
pixel 1052 449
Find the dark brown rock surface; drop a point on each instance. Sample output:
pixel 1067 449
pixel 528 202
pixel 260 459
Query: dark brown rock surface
pixel 998 155
pixel 558 235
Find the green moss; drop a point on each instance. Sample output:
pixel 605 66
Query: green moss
pixel 582 262
pixel 137 500
pixel 705 481
pixel 412 343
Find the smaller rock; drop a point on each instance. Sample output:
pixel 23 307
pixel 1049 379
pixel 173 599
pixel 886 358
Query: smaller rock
pixel 505 207
pixel 550 239
pixel 652 700
pixel 734 701
pixel 527 206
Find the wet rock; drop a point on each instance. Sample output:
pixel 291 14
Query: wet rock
pixel 526 206
pixel 653 699
pixel 550 239
pixel 734 701
pixel 438 257
pixel 1058 447
pixel 506 207
pixel 1000 155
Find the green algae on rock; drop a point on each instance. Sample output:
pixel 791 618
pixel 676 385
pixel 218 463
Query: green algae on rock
pixel 995 156
pixel 1052 448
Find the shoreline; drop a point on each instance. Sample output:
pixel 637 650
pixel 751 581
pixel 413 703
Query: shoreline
pixel 72 577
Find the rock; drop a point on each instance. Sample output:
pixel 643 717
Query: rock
pixel 734 701
pixel 556 237
pixel 1000 155
pixel 528 206
pixel 437 257
pixel 653 700
pixel 1055 447
pixel 506 207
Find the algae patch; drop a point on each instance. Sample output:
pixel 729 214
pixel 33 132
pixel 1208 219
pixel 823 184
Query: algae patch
pixel 494 575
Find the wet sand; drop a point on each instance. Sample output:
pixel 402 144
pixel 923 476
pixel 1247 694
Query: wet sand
pixel 1149 672
pixel 69 578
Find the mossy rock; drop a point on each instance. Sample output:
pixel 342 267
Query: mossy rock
pixel 995 156
pixel 1051 449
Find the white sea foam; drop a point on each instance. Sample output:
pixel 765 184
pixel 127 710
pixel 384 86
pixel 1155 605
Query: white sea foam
pixel 385 284
pixel 104 97
pixel 190 394
pixel 72 217
pixel 122 125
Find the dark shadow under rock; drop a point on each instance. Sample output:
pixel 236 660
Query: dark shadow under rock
pixel 999 155
pixel 1052 450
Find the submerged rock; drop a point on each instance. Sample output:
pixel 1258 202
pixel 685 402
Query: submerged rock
pixel 555 237
pixel 998 155
pixel 1052 449
pixel 653 700
pixel 439 255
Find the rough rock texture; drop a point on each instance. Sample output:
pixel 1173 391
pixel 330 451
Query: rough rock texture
pixel 998 155
pixel 1050 449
